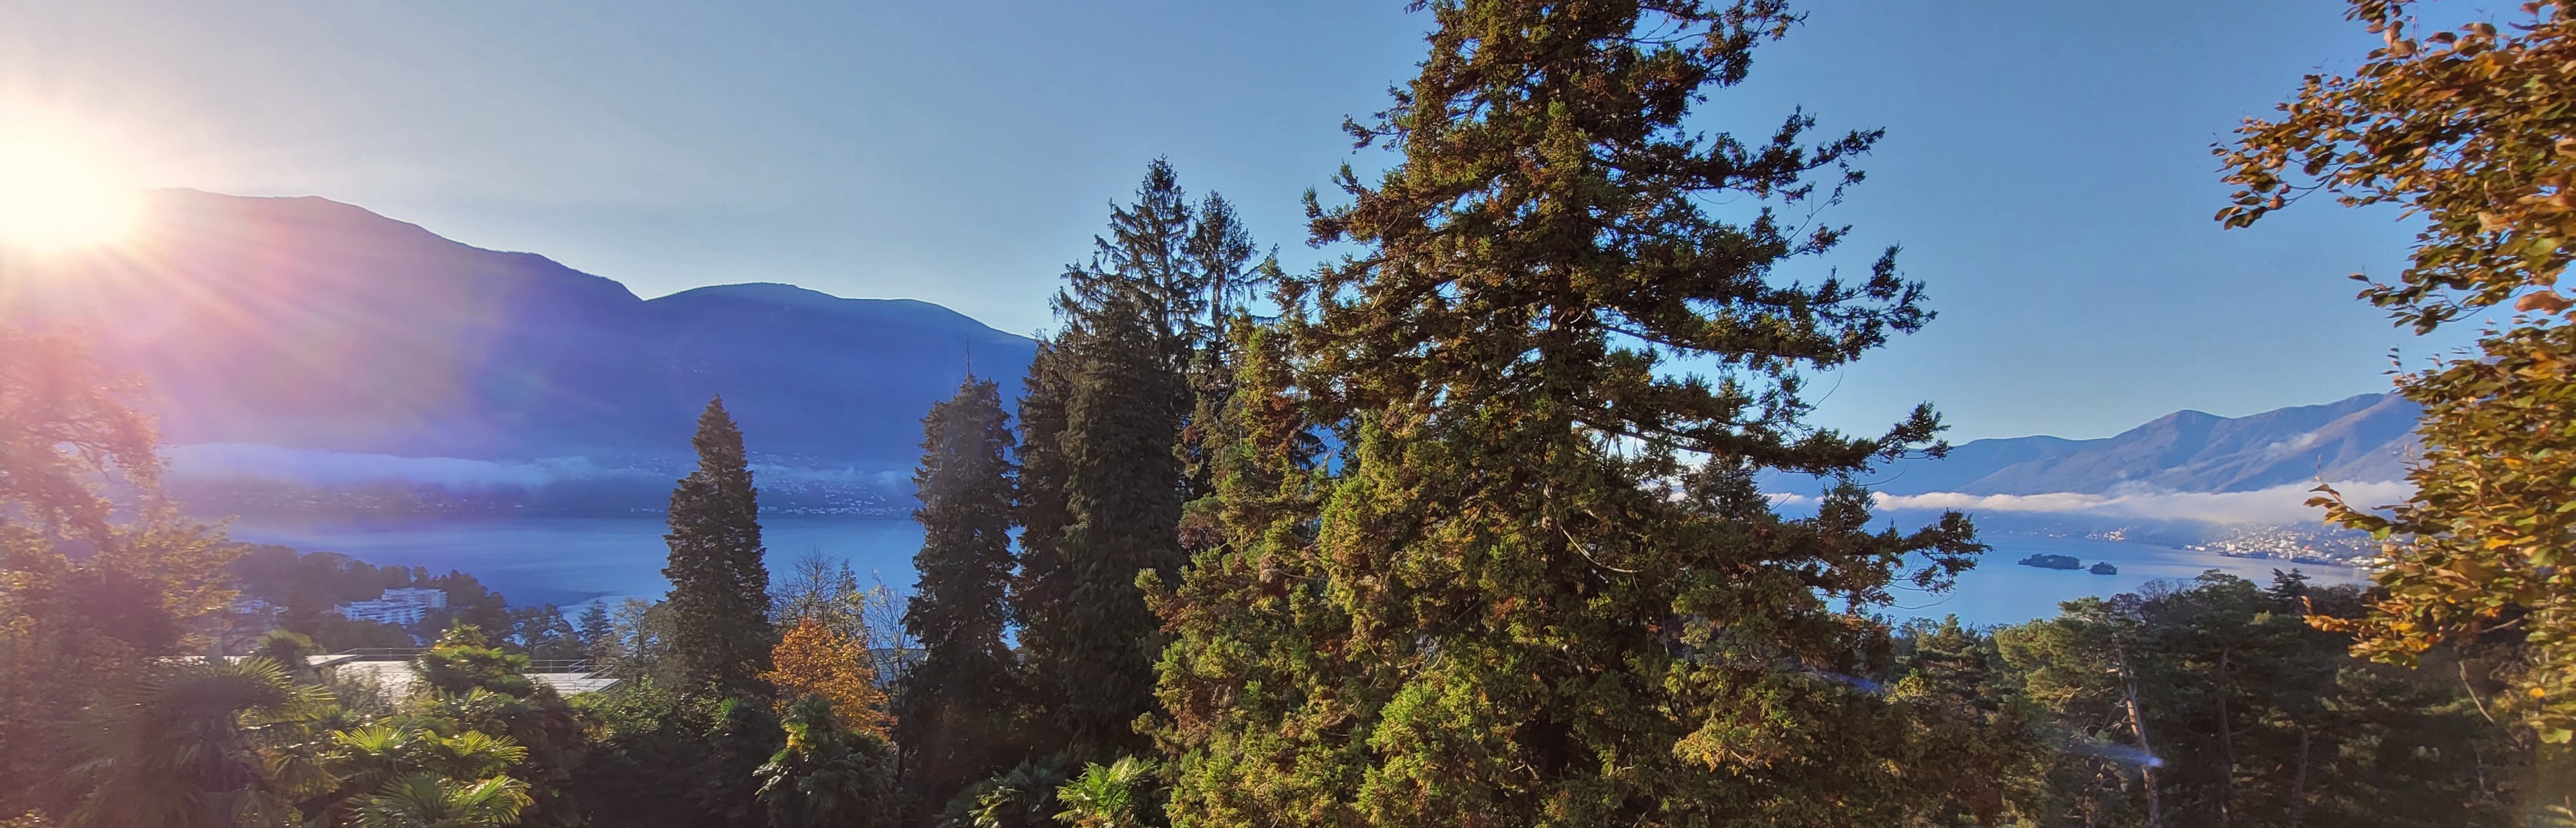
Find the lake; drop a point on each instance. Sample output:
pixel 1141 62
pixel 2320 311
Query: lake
pixel 568 561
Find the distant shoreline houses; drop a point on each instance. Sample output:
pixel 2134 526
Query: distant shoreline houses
pixel 400 607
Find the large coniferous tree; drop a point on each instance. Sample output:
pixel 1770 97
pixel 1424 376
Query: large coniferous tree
pixel 719 601
pixel 1123 501
pixel 1038 590
pixel 952 709
pixel 1103 477
pixel 1540 587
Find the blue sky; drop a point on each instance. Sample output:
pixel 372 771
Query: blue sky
pixel 2046 165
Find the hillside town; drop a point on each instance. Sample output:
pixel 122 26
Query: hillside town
pixel 2298 544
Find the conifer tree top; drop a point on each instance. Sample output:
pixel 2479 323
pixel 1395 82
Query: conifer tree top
pixel 1549 232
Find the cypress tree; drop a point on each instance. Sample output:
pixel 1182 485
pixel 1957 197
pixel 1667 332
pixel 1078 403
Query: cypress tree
pixel 719 598
pixel 952 709
pixel 1540 587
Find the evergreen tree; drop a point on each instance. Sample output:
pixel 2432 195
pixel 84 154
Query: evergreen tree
pixel 1220 250
pixel 1540 586
pixel 719 600
pixel 598 633
pixel 1146 267
pixel 1108 454
pixel 1123 501
pixel 2215 703
pixel 1038 590
pixel 952 711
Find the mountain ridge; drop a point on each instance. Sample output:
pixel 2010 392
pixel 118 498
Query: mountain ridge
pixel 2362 438
pixel 307 323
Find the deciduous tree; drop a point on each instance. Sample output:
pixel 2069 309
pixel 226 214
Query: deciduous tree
pixel 812 659
pixel 2473 130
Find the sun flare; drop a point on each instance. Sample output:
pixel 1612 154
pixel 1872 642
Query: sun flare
pixel 54 196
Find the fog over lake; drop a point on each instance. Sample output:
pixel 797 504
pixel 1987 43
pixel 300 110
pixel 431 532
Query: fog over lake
pixel 567 561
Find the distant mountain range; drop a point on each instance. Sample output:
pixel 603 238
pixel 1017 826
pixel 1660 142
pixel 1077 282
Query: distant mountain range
pixel 317 343
pixel 2367 438
pixel 305 323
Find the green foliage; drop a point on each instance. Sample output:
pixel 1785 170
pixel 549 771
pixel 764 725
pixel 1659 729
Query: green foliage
pixel 1124 501
pixel 719 601
pixel 1117 795
pixel 2472 130
pixel 2216 703
pixel 201 746
pixel 1038 592
pixel 1109 454
pixel 827 776
pixel 647 743
pixel 75 628
pixel 70 421
pixel 1540 587
pixel 663 759
pixel 288 649
pixel 953 708
pixel 724 783
pixel 461 662
pixel 1024 797
pixel 424 800
pixel 466 688
pixel 403 771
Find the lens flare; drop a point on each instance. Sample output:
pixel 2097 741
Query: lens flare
pixel 53 196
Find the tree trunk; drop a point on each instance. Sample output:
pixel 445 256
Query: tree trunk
pixel 2138 727
pixel 2299 781
pixel 2226 749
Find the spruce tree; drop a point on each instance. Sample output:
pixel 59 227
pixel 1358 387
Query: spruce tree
pixel 719 601
pixel 1123 504
pixel 1540 586
pixel 952 709
pixel 1103 473
pixel 1038 590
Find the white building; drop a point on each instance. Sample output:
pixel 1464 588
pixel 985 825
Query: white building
pixel 402 613
pixel 402 607
pixel 432 598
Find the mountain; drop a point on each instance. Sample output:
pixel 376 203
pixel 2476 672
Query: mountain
pixel 304 323
pixel 2366 438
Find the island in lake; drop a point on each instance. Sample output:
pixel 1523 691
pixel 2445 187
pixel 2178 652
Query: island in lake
pixel 2048 561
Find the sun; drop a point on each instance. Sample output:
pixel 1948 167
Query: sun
pixel 54 197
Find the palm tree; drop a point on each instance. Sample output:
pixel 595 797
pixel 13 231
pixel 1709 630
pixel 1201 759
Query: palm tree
pixel 1024 797
pixel 428 800
pixel 203 745
pixel 825 777
pixel 375 760
pixel 1106 797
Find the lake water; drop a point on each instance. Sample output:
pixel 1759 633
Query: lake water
pixel 567 561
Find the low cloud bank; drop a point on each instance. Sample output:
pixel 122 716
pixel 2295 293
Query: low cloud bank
pixel 222 461
pixel 247 461
pixel 2276 505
